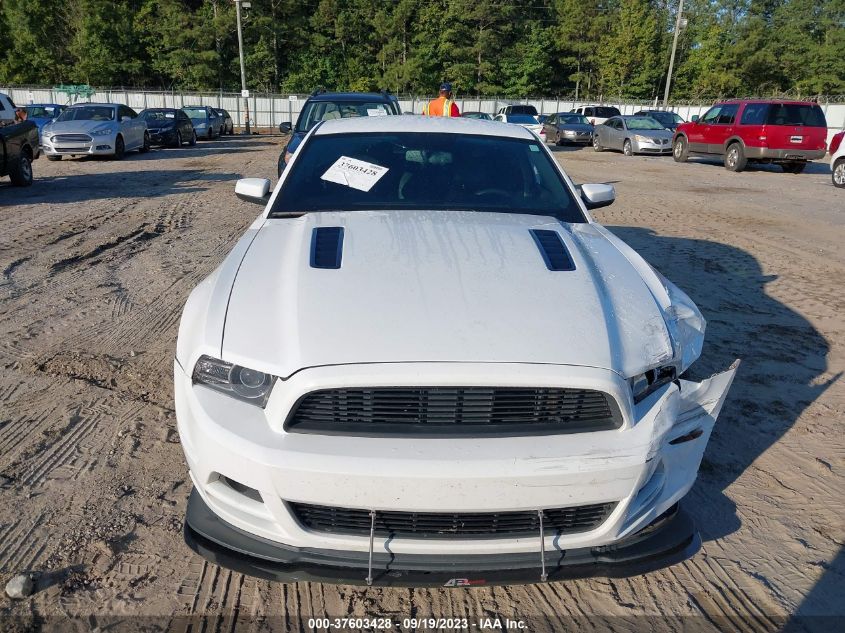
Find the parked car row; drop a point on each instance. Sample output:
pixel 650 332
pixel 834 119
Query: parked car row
pixel 111 129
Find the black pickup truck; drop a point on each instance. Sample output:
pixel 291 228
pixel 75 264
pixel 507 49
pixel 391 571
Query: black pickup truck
pixel 18 145
pixel 18 148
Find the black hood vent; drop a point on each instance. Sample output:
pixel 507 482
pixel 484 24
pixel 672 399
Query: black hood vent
pixel 552 249
pixel 326 247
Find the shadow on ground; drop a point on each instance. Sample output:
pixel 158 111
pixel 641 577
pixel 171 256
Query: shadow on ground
pixel 75 188
pixel 782 355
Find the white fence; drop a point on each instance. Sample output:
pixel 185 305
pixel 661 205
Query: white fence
pixel 268 110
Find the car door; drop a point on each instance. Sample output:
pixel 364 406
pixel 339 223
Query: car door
pixel 698 134
pixel 139 126
pixel 722 128
pixel 124 125
pixel 185 125
pixel 612 129
pixel 550 127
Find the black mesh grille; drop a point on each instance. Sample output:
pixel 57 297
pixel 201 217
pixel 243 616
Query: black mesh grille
pixel 453 411
pixel 448 524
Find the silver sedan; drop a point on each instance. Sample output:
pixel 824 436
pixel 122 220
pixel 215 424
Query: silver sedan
pixel 633 135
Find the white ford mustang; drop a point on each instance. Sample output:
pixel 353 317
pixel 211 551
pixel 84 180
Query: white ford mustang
pixel 426 364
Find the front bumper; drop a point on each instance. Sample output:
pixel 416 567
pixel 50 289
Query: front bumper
pixel 583 137
pixel 648 147
pixel 97 146
pixel 162 137
pixel 670 539
pixel 767 153
pixel 644 467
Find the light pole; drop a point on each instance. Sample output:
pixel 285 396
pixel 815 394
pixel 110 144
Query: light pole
pixel 244 91
pixel 678 24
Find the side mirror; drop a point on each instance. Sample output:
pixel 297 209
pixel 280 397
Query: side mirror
pixel 124 119
pixel 255 190
pixel 597 196
pixel 694 118
pixel 285 127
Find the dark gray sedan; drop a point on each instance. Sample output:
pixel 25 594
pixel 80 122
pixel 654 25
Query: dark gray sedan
pixel 568 127
pixel 633 135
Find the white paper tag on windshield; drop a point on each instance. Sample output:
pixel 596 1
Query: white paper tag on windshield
pixel 376 112
pixel 354 173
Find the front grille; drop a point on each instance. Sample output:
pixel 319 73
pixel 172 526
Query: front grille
pixel 453 411
pixel 71 138
pixel 452 524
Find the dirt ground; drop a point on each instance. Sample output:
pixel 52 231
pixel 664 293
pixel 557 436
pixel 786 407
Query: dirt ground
pixel 99 256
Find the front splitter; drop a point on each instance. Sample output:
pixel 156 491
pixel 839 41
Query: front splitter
pixel 670 541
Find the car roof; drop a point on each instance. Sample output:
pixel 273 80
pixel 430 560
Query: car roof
pixel 442 125
pixel 92 103
pixel 350 96
pixel 41 105
pixel 785 101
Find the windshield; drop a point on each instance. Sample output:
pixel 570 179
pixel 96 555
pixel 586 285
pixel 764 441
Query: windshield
pixel 572 119
pixel 425 171
pixel 796 114
pixel 476 115
pixel 42 112
pixel 157 115
pixel 606 112
pixel 521 118
pixel 523 109
pixel 317 111
pixel 666 118
pixel 195 113
pixel 87 113
pixel 642 123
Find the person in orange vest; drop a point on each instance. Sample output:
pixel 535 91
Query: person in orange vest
pixel 442 105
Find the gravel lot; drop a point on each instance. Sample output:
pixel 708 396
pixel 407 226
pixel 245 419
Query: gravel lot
pixel 99 256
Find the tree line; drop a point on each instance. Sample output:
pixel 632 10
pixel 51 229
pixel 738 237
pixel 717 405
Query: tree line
pixel 512 48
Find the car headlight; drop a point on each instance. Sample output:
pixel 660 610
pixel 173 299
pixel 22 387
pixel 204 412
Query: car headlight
pixel 648 382
pixel 642 139
pixel 103 132
pixel 239 382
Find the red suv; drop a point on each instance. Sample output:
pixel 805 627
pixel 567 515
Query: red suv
pixel 788 133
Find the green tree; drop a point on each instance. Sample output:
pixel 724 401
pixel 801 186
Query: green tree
pixel 629 60
pixel 33 34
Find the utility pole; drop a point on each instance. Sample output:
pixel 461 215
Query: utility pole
pixel 678 25
pixel 244 91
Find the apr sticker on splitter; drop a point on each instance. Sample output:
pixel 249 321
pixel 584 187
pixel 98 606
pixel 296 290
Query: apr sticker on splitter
pixel 464 582
pixel 354 173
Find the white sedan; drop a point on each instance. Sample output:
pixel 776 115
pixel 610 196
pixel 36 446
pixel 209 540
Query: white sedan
pixel 523 120
pixel 95 129
pixel 425 363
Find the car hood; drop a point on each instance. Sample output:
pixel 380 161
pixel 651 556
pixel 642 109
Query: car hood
pixel 577 127
pixel 440 286
pixel 75 127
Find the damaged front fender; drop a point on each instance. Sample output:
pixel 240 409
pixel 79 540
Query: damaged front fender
pixel 682 427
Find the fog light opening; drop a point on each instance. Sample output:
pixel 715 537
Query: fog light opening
pixel 246 491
